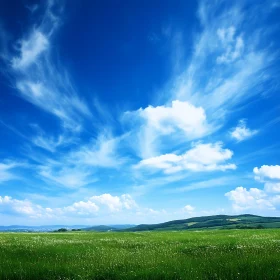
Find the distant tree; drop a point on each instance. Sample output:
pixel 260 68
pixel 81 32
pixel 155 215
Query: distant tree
pixel 260 227
pixel 62 230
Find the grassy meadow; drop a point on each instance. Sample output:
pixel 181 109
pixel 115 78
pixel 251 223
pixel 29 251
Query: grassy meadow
pixel 216 254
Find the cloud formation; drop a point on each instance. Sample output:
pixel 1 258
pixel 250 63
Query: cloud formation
pixel 233 46
pixel 95 205
pixel 188 208
pixel 241 132
pixel 7 169
pixel 267 172
pixel 180 119
pixel 38 78
pixel 202 157
pixel 254 198
pixel 30 50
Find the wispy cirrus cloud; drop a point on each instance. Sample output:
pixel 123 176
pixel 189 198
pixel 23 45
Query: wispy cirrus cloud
pixel 224 70
pixel 210 183
pixel 227 61
pixel 30 50
pixel 8 170
pixel 78 167
pixel 233 46
pixel 39 79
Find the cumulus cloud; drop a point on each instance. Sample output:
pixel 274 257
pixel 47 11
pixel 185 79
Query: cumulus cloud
pixel 180 115
pixel 180 118
pixel 83 208
pixel 241 132
pixel 150 212
pixel 202 157
pixel 21 207
pixel 272 187
pixel 115 203
pixel 267 172
pixel 252 198
pixel 270 176
pixel 188 208
pixel 91 207
pixel 255 198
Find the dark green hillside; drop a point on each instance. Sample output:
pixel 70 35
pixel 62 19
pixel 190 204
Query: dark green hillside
pixel 214 222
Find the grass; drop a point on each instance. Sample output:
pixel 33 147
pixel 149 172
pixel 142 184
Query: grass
pixel 217 254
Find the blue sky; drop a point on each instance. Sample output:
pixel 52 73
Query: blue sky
pixel 138 111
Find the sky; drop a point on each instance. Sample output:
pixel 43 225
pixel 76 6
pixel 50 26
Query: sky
pixel 129 112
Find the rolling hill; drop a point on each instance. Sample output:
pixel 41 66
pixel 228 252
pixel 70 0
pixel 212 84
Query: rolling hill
pixel 108 227
pixel 213 222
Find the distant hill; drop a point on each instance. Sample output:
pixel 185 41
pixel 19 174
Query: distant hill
pixel 51 228
pixel 245 221
pixel 47 228
pixel 108 228
pixel 213 222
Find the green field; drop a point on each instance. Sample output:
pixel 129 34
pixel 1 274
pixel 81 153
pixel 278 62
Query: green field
pixel 216 254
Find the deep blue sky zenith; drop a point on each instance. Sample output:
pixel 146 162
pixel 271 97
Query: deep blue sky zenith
pixel 138 111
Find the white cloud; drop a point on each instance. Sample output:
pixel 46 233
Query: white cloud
pixel 49 143
pixel 150 212
pixel 82 208
pixel 22 207
pixel 115 203
pixel 272 187
pixel 48 96
pixel 256 198
pixel 241 132
pixel 188 208
pixel 202 157
pixel 267 172
pixel 180 115
pixel 211 183
pixel 220 87
pixel 30 49
pixel 233 45
pixel 7 170
pixel 92 206
pixel 78 167
pixel 253 198
pixel 67 176
pixel 270 176
pixel 180 119
pixel 40 81
pixel 102 152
